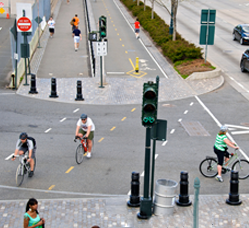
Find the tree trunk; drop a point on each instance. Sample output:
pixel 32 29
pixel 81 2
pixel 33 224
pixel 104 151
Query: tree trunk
pixel 174 5
pixel 137 2
pixel 144 5
pixel 152 11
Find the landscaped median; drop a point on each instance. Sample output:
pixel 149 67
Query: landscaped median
pixel 180 53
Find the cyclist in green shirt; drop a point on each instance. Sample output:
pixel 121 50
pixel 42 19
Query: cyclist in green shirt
pixel 220 148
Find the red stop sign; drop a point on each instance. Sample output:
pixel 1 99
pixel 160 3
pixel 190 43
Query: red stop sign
pixel 24 24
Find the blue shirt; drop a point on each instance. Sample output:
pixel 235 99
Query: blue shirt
pixel 76 32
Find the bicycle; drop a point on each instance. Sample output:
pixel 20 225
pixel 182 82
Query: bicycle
pixel 208 167
pixel 23 168
pixel 81 149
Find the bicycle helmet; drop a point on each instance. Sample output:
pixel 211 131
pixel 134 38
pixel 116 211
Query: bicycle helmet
pixel 23 135
pixel 223 128
pixel 83 116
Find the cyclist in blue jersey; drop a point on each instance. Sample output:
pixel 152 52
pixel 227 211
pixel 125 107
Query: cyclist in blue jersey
pixel 220 148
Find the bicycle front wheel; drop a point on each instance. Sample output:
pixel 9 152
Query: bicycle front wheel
pixel 79 156
pixel 208 167
pixel 19 175
pixel 242 167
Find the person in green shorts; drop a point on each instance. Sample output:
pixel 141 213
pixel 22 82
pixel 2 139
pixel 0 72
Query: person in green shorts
pixel 85 128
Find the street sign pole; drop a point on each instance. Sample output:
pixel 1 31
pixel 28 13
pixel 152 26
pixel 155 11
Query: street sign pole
pixel 208 16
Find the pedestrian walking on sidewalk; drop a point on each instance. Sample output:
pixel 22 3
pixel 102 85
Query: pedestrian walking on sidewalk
pixel 220 148
pixel 51 24
pixel 75 22
pixel 77 37
pixel 31 217
pixel 137 28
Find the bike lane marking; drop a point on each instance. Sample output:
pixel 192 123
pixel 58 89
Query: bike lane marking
pixel 101 140
pixel 48 130
pixel 8 158
pixel 219 125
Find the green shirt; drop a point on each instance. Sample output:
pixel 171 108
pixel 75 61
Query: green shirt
pixel 219 143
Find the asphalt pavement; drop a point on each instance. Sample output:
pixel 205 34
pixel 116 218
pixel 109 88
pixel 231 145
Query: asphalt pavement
pixel 112 211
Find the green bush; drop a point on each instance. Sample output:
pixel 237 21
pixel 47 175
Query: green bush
pixel 159 32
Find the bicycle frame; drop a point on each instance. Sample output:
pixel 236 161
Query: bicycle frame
pixel 84 144
pixel 231 160
pixel 23 162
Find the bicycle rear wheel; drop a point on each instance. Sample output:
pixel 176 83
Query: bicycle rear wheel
pixel 242 167
pixel 208 167
pixel 79 156
pixel 19 175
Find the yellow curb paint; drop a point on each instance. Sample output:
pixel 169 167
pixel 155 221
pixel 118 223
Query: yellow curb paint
pixel 51 187
pixel 68 171
pixel 133 109
pixel 101 140
pixel 123 119
pixel 112 128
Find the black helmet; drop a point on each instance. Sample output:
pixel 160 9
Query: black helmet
pixel 23 135
pixel 83 116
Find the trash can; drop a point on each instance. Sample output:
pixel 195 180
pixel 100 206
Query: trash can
pixel 165 193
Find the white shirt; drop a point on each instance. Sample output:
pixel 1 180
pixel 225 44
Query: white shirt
pixel 51 23
pixel 88 123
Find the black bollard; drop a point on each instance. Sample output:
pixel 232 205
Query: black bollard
pixel 33 85
pixel 183 196
pixel 53 88
pixel 134 197
pixel 234 189
pixel 79 96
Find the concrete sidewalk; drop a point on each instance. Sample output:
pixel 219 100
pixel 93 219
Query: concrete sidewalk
pixel 57 57
pixel 113 212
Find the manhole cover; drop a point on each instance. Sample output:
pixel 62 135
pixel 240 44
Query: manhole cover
pixel 194 128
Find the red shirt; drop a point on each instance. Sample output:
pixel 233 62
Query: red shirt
pixel 137 25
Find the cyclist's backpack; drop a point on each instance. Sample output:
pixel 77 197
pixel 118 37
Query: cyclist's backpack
pixel 33 140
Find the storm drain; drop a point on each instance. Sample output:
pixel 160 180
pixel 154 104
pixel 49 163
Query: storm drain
pixel 194 128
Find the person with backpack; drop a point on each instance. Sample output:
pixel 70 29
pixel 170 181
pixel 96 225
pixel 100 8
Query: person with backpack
pixel 26 144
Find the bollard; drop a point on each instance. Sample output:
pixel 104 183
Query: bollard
pixel 137 65
pixel 183 196
pixel 134 197
pixel 196 203
pixel 53 88
pixel 33 85
pixel 79 96
pixel 234 189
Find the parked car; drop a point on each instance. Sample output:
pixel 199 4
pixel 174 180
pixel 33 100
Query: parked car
pixel 244 63
pixel 241 33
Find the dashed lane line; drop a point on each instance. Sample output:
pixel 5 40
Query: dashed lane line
pixel 112 128
pixel 69 170
pixel 133 109
pixel 172 131
pixel 101 140
pixel 62 120
pixel 76 110
pixel 164 143
pixel 51 187
pixel 48 130
pixel 186 111
pixel 123 119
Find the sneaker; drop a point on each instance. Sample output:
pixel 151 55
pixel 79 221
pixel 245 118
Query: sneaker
pixel 76 49
pixel 31 173
pixel 88 155
pixel 218 178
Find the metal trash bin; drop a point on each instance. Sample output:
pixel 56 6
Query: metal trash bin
pixel 165 193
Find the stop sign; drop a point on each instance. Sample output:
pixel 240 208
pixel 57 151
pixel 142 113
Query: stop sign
pixel 24 24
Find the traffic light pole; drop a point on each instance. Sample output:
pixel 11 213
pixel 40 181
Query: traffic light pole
pixel 146 201
pixel 154 148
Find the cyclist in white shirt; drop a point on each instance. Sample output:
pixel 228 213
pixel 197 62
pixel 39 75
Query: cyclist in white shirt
pixel 85 128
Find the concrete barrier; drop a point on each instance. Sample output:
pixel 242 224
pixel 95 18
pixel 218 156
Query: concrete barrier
pixel 204 75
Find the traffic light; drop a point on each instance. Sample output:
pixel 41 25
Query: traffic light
pixel 149 106
pixel 102 27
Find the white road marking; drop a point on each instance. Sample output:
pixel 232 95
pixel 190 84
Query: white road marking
pixel 191 103
pixel 48 130
pixel 240 132
pixel 142 174
pixel 164 143
pixel 129 193
pixel 9 157
pixel 0 28
pixel 63 119
pixel 219 124
pixel 7 93
pixel 115 72
pixel 156 156
pixel 185 112
pixel 180 120
pixel 237 126
pixel 172 131
pixel 240 85
pixel 76 110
